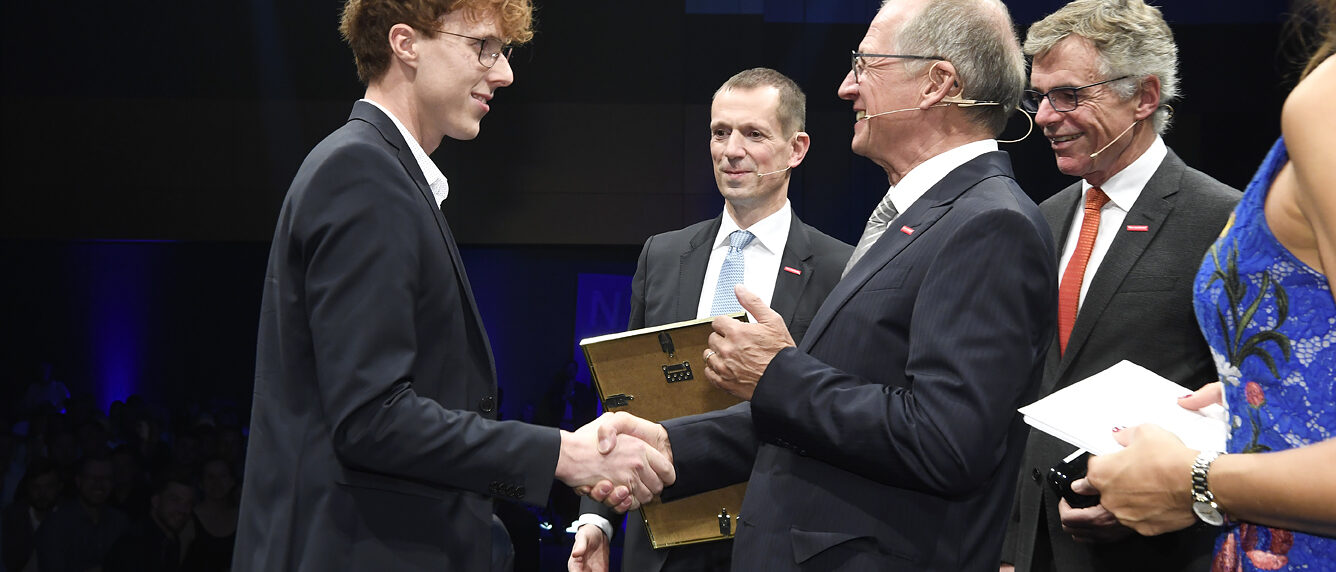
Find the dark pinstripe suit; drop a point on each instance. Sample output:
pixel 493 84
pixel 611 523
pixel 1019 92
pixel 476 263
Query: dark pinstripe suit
pixel 889 439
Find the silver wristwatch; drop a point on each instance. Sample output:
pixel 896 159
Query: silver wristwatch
pixel 1203 501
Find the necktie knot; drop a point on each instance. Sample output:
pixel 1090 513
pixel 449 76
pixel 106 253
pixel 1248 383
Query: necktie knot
pixel 739 239
pixel 730 274
pixel 876 225
pixel 1096 199
pixel 885 211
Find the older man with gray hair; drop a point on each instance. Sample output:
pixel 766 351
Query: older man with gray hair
pixel 889 439
pixel 1132 233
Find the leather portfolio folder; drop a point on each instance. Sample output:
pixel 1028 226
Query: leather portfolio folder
pixel 657 373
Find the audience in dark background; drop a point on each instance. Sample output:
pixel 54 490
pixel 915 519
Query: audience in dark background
pixel 153 486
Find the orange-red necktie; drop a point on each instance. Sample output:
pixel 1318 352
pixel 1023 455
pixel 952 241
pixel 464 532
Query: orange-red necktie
pixel 1069 291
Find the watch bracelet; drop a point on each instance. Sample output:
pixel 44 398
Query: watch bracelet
pixel 1201 488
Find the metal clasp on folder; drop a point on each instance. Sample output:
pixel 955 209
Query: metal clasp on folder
pixel 673 372
pixel 677 372
pixel 618 400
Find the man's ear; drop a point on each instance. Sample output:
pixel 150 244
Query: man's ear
pixel 801 143
pixel 404 44
pixel 1148 98
pixel 942 81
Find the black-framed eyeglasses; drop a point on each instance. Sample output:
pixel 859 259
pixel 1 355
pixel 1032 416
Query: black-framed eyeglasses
pixel 489 49
pixel 859 66
pixel 1063 99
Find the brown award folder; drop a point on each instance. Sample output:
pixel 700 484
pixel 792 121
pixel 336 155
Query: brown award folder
pixel 657 374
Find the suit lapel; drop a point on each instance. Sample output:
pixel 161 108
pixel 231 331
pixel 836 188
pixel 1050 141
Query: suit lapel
pixel 920 217
pixel 691 270
pixel 1059 219
pixel 1151 209
pixel 373 115
pixel 797 255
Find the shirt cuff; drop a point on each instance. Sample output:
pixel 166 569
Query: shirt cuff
pixel 594 519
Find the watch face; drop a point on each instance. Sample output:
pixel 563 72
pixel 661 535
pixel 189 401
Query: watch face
pixel 1208 514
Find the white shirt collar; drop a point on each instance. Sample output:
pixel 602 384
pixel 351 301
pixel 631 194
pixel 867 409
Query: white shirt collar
pixel 440 186
pixel 770 231
pixel 1125 186
pixel 928 173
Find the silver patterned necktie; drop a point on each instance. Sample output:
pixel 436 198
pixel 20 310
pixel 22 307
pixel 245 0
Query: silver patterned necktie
pixel 876 224
pixel 730 275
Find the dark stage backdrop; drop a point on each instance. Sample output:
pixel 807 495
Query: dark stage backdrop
pixel 147 147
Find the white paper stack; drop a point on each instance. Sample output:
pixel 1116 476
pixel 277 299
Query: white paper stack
pixel 1125 395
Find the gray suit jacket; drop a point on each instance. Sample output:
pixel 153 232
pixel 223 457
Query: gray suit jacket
pixel 373 439
pixel 667 289
pixel 1139 308
pixel 889 439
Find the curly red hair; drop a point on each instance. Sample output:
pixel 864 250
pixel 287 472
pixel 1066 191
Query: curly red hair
pixel 365 25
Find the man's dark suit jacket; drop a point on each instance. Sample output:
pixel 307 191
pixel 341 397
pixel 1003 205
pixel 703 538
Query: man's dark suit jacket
pixel 373 443
pixel 889 439
pixel 667 289
pixel 1138 307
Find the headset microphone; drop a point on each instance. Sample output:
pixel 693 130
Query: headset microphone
pixel 1115 139
pixel 948 100
pixel 957 101
pixel 867 117
pixel 759 175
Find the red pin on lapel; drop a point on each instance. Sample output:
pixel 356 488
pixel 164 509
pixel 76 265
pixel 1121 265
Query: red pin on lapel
pixel 906 230
pixel 793 270
pixel 1137 228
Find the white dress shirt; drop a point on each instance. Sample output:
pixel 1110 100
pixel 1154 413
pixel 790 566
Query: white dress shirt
pixel 760 257
pixel 1123 188
pixel 928 173
pixel 761 260
pixel 440 186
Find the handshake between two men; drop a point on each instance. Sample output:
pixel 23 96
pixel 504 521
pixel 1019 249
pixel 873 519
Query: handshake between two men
pixel 618 459
pixel 623 461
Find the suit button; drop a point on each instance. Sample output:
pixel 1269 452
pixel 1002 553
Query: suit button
pixel 487 404
pixel 1034 474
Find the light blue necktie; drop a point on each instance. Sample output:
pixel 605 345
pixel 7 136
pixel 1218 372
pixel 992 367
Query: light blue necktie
pixel 730 274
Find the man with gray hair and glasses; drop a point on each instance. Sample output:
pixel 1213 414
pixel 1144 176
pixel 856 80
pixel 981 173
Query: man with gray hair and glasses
pixel 888 439
pixel 1131 234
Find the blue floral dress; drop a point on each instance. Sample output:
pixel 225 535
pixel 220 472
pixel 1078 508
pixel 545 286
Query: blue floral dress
pixel 1271 324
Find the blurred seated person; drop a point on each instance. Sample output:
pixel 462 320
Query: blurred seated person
pixel 215 520
pixel 39 491
pixel 46 390
pixel 156 544
pixel 77 535
pixel 130 487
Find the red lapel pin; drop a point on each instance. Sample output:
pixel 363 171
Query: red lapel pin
pixel 793 270
pixel 1137 228
pixel 906 230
